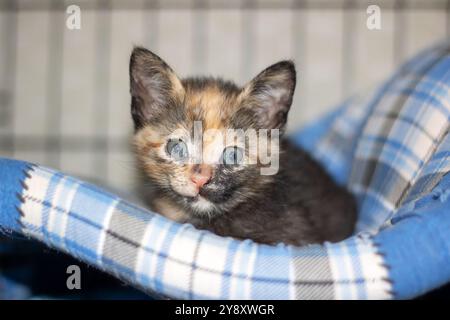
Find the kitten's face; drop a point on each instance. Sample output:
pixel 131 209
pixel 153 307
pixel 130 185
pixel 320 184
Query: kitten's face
pixel 182 125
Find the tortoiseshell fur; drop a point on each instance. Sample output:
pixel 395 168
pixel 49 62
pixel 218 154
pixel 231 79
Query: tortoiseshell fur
pixel 298 205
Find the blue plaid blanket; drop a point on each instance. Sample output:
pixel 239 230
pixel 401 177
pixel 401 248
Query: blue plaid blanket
pixel 390 146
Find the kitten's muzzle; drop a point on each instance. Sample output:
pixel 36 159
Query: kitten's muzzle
pixel 201 175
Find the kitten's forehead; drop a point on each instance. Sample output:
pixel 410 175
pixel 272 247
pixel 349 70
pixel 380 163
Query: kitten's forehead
pixel 211 101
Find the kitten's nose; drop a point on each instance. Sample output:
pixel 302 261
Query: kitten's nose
pixel 201 175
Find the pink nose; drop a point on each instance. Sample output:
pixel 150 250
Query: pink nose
pixel 199 180
pixel 201 175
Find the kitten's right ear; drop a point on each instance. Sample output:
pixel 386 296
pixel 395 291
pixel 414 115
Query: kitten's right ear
pixel 154 86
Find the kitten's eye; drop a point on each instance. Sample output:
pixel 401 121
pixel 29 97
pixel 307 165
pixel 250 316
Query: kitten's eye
pixel 232 155
pixel 177 149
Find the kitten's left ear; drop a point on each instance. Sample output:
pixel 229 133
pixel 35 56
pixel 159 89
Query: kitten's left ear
pixel 270 94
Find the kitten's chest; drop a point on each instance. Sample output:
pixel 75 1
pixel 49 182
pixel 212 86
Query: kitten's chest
pixel 269 221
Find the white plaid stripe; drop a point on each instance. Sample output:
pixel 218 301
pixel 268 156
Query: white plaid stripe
pixel 179 273
pixel 249 271
pixel 211 255
pixel 105 224
pixel 358 270
pixel 53 214
pixel 32 209
pixel 374 270
pixel 340 267
pixel 152 248
pixel 58 222
pixel 241 266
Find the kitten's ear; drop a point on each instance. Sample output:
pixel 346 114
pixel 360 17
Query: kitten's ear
pixel 154 86
pixel 270 94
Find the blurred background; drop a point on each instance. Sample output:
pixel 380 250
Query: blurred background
pixel 64 99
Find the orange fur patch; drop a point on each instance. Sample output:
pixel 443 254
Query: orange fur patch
pixel 147 138
pixel 210 104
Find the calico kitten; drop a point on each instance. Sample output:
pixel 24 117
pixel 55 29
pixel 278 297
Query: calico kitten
pixel 299 205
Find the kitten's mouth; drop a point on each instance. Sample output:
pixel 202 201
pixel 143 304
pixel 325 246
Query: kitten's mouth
pixel 200 196
pixel 201 205
pixel 200 201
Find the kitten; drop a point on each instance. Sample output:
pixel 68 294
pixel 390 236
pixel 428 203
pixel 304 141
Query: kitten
pixel 298 205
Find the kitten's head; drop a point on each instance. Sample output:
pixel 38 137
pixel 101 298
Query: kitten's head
pixel 215 173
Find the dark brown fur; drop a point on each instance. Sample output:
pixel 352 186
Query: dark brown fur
pixel 299 205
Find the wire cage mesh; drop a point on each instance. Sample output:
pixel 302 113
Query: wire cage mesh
pixel 64 98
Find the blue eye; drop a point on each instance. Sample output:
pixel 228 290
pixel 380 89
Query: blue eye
pixel 232 155
pixel 177 149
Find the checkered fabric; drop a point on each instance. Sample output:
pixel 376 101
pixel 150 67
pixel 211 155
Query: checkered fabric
pixel 389 146
pixel 177 260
